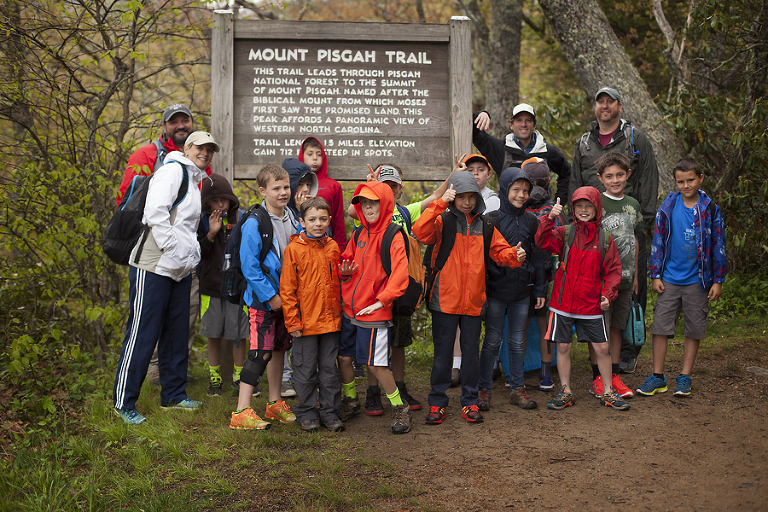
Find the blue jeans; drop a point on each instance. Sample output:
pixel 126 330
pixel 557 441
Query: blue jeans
pixel 517 311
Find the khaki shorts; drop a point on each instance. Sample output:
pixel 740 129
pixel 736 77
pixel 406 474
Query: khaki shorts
pixel 691 300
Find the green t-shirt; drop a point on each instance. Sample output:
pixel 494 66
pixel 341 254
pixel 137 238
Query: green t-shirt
pixel 623 219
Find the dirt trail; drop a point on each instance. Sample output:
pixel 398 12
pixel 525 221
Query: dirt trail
pixel 708 451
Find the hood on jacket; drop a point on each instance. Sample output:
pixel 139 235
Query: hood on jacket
pixel 377 190
pixel 464 181
pixel 322 171
pixel 592 195
pixel 216 186
pixel 296 172
pixel 508 177
pixel 537 197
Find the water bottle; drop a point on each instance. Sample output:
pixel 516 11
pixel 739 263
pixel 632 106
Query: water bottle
pixel 227 261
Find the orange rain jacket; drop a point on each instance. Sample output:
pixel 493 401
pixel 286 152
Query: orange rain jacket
pixel 309 285
pixel 459 287
pixel 369 282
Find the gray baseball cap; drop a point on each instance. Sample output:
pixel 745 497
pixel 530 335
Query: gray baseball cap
pixel 176 108
pixel 610 91
pixel 389 173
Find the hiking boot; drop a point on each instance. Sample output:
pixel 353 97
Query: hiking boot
pixel 214 388
pixel 286 390
pixel 683 387
pixel 236 387
pixel 612 399
pixel 335 425
pixel 373 405
pixel 413 404
pixel 130 416
pixel 401 419
pixel 619 387
pixel 546 382
pixel 280 411
pixel 436 415
pixel 349 407
pixel 359 370
pixel 471 414
pixel 247 419
pixel 521 399
pixel 628 365
pixel 562 400
pixel 185 405
pixel 484 399
pixel 652 385
pixel 312 425
pixel 597 387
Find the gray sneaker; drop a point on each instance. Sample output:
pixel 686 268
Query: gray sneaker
pixel 401 419
pixel 335 425
pixel 286 390
pixel 312 425
pixel 628 365
pixel 185 405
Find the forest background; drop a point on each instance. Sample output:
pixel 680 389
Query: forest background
pixel 83 83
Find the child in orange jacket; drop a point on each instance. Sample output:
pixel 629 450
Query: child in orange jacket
pixel 310 293
pixel 458 295
pixel 368 293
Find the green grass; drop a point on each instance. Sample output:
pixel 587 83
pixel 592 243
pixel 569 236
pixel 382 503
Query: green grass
pixel 182 461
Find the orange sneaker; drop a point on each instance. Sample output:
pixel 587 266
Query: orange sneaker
pixel 619 387
pixel 280 411
pixel 247 419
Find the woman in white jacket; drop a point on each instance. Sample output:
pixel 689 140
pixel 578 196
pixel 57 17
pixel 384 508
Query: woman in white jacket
pixel 160 280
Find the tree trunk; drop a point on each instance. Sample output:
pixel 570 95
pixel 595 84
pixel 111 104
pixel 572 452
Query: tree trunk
pixel 599 60
pixel 502 88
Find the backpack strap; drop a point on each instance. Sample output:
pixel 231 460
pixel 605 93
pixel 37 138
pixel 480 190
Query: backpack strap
pixel 160 157
pixel 266 230
pixel 386 244
pixel 490 222
pixel 447 240
pixel 406 217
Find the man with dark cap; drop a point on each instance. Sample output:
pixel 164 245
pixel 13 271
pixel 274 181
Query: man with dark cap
pixel 523 143
pixel 611 133
pixel 177 124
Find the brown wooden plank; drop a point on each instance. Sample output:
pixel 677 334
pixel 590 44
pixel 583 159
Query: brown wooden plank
pixel 357 174
pixel 340 31
pixel 460 79
pixel 222 97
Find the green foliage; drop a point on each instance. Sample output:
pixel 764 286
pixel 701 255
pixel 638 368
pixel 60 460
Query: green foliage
pixel 742 297
pixel 745 210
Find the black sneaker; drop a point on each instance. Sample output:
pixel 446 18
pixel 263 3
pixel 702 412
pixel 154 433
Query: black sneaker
pixel 628 365
pixel 349 407
pixel 214 388
pixel 413 404
pixel 359 370
pixel 373 405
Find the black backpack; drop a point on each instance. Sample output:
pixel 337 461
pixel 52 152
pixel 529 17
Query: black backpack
pixel 409 302
pixel 448 238
pixel 233 283
pixel 125 227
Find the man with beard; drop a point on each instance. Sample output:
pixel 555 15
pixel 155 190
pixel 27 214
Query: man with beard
pixel 611 133
pixel 177 124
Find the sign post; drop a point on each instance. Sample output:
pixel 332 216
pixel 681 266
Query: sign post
pixel 370 92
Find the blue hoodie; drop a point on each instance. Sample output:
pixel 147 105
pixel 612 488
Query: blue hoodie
pixel 296 171
pixel 516 225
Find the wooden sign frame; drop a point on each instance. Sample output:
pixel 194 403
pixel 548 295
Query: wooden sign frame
pixel 226 29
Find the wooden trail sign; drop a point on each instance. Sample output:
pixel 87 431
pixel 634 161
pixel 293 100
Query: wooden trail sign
pixel 370 92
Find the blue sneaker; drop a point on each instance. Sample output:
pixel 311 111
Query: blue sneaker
pixel 653 385
pixel 546 382
pixel 186 405
pixel 130 416
pixel 683 387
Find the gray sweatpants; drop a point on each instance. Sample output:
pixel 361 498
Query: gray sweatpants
pixel 314 368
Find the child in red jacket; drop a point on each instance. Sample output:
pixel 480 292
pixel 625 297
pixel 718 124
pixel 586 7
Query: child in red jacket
pixel 579 295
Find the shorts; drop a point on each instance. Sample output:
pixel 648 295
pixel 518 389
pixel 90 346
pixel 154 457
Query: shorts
pixel 402 334
pixel 543 311
pixel 560 329
pixel 268 331
pixel 618 314
pixel 370 346
pixel 219 317
pixel 691 300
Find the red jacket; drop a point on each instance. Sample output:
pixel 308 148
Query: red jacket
pixel 459 287
pixel 330 190
pixel 369 282
pixel 309 285
pixel 582 289
pixel 142 163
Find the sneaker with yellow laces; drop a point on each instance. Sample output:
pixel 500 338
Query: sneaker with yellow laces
pixel 280 411
pixel 247 419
